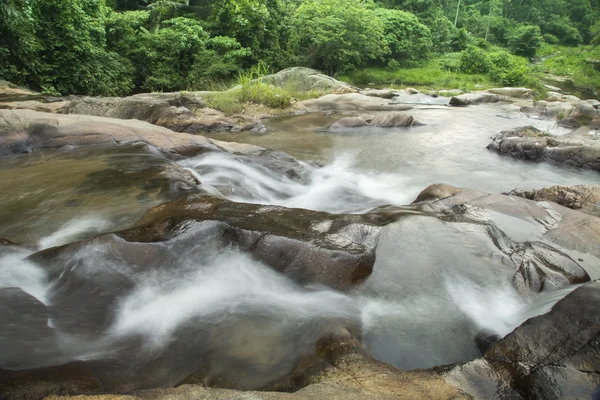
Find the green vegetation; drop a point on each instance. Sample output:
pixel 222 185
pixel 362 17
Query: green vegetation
pixel 252 88
pixel 581 65
pixel 117 47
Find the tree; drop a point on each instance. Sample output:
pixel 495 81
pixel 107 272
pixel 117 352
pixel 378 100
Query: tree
pixel 73 53
pixel 525 40
pixel 407 38
pixel 334 35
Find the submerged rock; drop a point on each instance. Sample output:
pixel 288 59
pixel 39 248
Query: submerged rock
pixel 578 148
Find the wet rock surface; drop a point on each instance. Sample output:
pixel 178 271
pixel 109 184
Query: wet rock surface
pixel 308 246
pixel 552 356
pixel 539 248
pixel 580 148
pixel 585 198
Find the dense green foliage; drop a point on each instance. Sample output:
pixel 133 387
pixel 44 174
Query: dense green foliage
pixel 115 47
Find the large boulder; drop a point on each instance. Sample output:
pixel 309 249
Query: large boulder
pixel 585 198
pixel 584 112
pixel 394 120
pixel 180 112
pixel 351 102
pixel 553 356
pixel 308 246
pixel 24 131
pixel 474 98
pixel 305 80
pixel 566 228
pixel 349 122
pixel 578 148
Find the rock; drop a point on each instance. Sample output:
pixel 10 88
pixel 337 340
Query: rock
pixel 558 110
pixel 556 355
pixel 25 317
pixel 33 105
pixel 394 120
pixel 341 370
pixel 383 93
pixel 568 229
pixel 286 239
pixel 306 79
pixel 450 92
pixel 512 92
pixel 572 98
pixel 584 112
pixel 553 88
pixel 180 112
pixel 474 98
pixel 349 122
pixel 10 92
pixel 577 148
pixel 594 103
pixel 24 131
pixel 569 123
pixel 351 101
pixel 436 192
pixel 581 197
pixel 412 91
pixel 68 379
pixel 595 124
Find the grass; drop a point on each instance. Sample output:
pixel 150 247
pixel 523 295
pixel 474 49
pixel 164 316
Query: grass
pixel 573 63
pixel 434 74
pixel 251 88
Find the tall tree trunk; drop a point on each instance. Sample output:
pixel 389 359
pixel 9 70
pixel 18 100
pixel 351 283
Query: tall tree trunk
pixel 456 18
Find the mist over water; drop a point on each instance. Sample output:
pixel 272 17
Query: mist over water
pixel 337 187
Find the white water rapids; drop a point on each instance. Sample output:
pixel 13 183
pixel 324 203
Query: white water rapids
pixel 337 187
pixel 246 314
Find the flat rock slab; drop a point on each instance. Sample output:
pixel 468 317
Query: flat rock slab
pixel 24 131
pixel 351 102
pixel 474 98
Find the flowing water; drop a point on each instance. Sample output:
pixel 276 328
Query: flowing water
pixel 435 285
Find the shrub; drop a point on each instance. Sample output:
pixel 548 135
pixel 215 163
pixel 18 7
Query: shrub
pixel 563 29
pixel 474 60
pixel 550 38
pixel 525 40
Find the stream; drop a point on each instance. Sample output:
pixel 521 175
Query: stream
pixel 435 286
